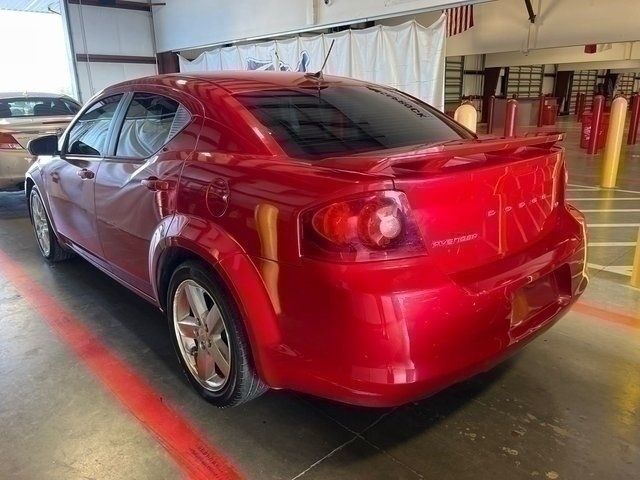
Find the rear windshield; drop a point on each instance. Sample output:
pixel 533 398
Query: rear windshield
pixel 37 107
pixel 314 123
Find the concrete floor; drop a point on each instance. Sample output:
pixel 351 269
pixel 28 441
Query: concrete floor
pixel 567 407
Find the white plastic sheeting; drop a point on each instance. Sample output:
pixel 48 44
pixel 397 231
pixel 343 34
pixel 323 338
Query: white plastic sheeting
pixel 409 57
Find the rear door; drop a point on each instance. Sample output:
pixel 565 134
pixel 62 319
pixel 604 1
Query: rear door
pixel 137 182
pixel 70 178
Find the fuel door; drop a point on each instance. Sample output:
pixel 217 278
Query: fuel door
pixel 218 197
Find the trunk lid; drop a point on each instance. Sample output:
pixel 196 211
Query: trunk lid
pixel 24 129
pixel 480 200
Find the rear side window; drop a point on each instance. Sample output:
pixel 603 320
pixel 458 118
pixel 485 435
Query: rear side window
pixel 151 121
pixel 322 121
pixel 88 136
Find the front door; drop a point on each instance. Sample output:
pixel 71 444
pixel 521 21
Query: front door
pixel 136 186
pixel 71 176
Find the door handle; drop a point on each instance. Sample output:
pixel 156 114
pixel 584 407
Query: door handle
pixel 85 174
pixel 155 185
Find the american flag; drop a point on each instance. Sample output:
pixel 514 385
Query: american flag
pixel 459 19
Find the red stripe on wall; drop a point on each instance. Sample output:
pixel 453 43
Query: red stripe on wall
pixel 186 445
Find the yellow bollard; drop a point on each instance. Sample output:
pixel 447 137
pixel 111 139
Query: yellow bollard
pixel 635 273
pixel 611 158
pixel 466 115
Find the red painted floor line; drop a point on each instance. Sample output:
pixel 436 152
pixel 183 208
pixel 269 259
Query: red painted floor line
pixel 188 447
pixel 607 314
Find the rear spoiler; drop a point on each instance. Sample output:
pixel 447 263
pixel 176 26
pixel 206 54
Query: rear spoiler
pixel 442 153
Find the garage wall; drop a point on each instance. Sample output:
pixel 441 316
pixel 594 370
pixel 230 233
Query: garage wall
pixel 626 65
pixel 503 25
pixel 473 76
pixel 616 52
pixel 109 44
pixel 104 74
pixel 549 80
pixel 188 24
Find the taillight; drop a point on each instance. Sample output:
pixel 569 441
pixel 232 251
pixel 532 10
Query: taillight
pixel 7 142
pixel 376 226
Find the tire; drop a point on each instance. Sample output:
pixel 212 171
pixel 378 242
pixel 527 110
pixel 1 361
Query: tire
pixel 46 238
pixel 211 343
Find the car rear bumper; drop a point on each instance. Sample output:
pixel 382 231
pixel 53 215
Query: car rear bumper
pixel 386 333
pixel 13 165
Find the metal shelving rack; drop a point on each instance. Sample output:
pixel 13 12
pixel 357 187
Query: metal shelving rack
pixel 525 81
pixel 584 81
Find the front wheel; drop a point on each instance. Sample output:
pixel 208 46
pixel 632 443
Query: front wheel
pixel 209 338
pixel 48 243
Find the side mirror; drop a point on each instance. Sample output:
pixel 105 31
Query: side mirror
pixel 47 145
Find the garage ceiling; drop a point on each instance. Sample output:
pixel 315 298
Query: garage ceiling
pixel 46 6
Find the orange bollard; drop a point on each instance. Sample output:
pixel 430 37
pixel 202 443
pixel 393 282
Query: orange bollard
pixel 510 118
pixel 490 109
pixel 632 138
pixel 266 217
pixel 596 121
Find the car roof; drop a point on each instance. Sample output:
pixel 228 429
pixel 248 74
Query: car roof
pixel 5 95
pixel 236 81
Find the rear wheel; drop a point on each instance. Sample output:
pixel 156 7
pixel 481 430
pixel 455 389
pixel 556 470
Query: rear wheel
pixel 47 241
pixel 209 338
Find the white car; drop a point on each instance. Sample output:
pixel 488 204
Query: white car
pixel 24 116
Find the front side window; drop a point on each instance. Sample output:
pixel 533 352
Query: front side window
pixel 151 121
pixel 37 107
pixel 317 122
pixel 89 134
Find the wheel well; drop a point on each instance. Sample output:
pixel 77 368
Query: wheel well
pixel 170 260
pixel 28 186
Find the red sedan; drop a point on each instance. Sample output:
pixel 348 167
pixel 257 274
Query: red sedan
pixel 313 233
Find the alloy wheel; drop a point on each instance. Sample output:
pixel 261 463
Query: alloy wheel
pixel 202 335
pixel 40 224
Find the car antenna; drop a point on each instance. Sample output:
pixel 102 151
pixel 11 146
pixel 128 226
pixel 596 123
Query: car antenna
pixel 277 66
pixel 318 75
